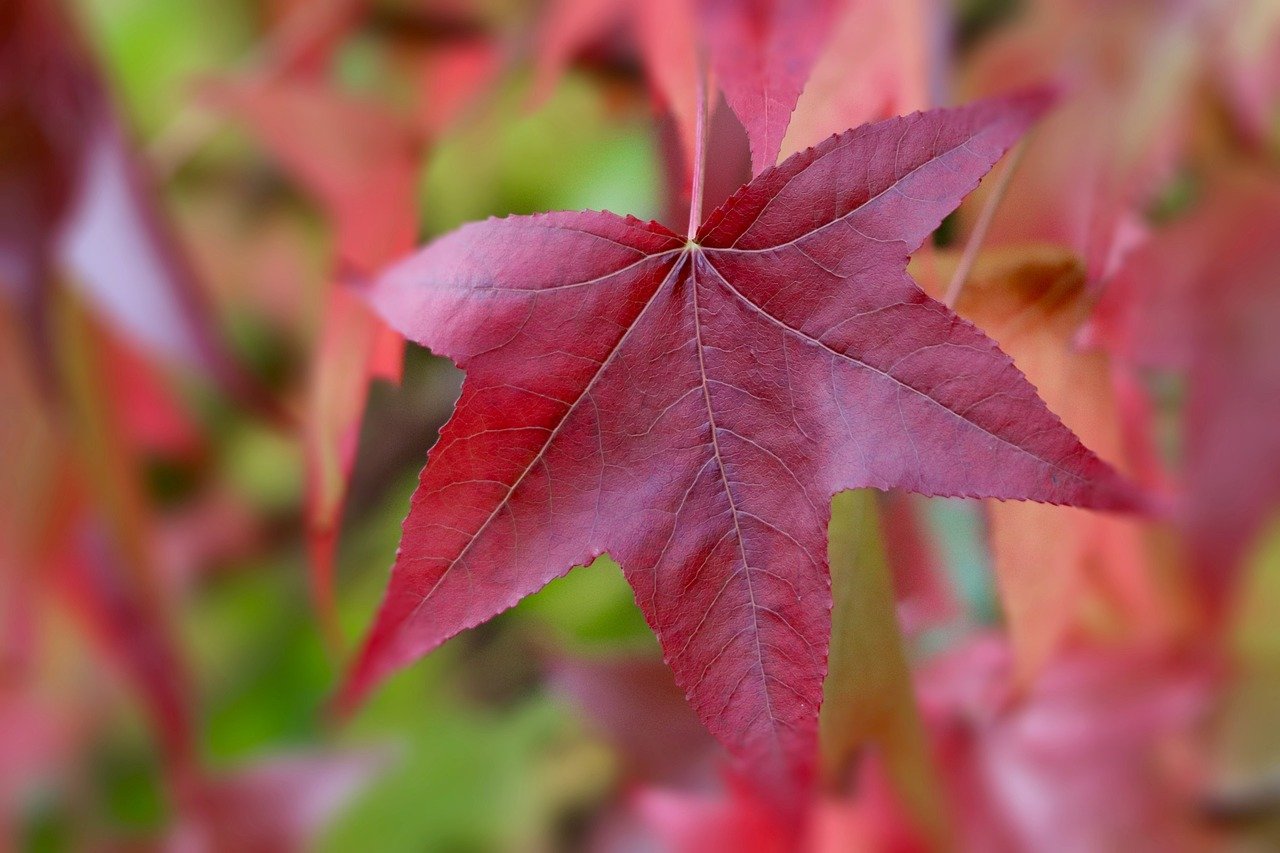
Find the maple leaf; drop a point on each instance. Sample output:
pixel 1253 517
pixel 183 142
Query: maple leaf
pixel 691 405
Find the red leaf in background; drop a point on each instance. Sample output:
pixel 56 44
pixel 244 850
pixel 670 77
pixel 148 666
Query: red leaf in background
pixel 450 79
pixel 664 31
pixel 155 426
pixel 637 705
pixel 73 195
pixel 43 138
pixel 358 159
pixel 1201 296
pixel 882 59
pixel 566 28
pixel 685 823
pixel 152 416
pixel 726 168
pixel 36 734
pixel 106 574
pixel 33 492
pixel 632 391
pixel 738 822
pixel 361 162
pixel 274 805
pixel 762 52
pixel 354 348
pixel 100 550
pixel 1083 760
pixel 304 35
pixel 1083 182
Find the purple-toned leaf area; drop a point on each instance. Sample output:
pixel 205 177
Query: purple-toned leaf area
pixel 690 407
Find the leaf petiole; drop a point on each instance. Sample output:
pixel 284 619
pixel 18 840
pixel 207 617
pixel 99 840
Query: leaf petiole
pixel 700 153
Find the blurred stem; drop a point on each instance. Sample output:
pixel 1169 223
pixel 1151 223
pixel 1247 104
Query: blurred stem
pixel 982 226
pixel 869 700
pixel 135 598
pixel 699 152
pixel 96 434
pixel 322 546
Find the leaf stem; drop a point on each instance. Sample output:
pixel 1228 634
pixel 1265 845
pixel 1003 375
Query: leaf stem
pixel 981 227
pixel 699 153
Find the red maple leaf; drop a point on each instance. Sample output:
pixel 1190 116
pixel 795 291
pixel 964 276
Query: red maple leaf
pixel 690 405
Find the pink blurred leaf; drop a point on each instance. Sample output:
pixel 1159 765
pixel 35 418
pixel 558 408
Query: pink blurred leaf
pixel 1080 761
pixel 1201 296
pixel 75 196
pixel 274 805
pixel 122 625
pixel 666 37
pixel 761 52
pixel 1082 180
pixel 734 821
pixel 452 78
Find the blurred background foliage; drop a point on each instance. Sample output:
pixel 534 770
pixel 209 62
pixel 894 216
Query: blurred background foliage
pixel 474 748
